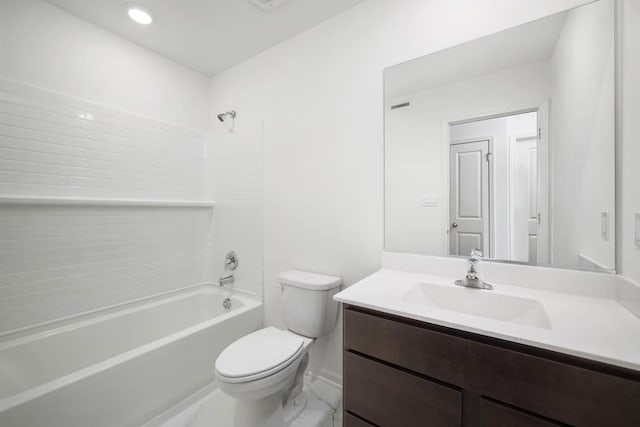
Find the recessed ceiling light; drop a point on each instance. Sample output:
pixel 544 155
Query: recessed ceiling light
pixel 140 14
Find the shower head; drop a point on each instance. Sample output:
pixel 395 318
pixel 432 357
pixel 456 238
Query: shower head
pixel 223 116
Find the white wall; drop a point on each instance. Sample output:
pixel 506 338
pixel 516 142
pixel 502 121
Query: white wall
pixel 628 171
pixel 320 96
pixel 85 113
pixel 48 47
pixel 582 135
pixel 417 153
pixel 235 164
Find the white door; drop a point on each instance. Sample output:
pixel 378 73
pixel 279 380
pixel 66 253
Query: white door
pixel 523 196
pixel 469 210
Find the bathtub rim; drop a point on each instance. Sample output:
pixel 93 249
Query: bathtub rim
pixel 61 322
pixel 249 301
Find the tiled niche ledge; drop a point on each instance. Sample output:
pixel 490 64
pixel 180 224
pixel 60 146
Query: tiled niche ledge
pixel 20 200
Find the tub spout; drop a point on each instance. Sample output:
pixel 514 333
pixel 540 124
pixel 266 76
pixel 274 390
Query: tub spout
pixel 226 280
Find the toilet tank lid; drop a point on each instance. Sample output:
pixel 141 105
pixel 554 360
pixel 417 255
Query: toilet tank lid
pixel 307 280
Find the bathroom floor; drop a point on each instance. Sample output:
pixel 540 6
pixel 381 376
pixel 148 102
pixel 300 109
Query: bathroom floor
pixel 212 408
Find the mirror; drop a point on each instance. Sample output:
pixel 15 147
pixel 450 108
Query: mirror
pixel 507 144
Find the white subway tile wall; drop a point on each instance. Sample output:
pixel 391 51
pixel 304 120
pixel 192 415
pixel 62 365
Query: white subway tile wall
pixel 236 166
pixel 58 261
pixel 55 145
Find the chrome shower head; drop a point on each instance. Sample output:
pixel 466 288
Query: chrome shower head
pixel 223 116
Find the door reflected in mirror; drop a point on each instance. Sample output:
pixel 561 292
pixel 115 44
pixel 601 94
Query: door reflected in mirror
pixel 502 223
pixel 507 144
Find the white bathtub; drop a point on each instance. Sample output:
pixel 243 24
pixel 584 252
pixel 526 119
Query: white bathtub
pixel 122 365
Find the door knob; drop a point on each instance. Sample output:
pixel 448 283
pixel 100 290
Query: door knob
pixel 454 225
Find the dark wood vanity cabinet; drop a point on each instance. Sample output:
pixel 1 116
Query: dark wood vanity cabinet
pixel 400 372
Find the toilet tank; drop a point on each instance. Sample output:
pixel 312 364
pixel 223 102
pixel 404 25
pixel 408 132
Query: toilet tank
pixel 307 298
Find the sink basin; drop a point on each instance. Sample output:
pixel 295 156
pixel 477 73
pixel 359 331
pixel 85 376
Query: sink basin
pixel 481 303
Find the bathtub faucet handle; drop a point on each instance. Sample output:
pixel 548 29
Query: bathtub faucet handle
pixel 231 261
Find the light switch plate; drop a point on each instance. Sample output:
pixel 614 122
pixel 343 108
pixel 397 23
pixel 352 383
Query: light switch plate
pixel 637 229
pixel 604 225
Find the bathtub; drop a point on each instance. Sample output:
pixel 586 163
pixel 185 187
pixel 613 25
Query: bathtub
pixel 122 365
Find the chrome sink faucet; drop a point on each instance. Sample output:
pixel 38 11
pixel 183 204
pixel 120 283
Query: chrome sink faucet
pixel 472 280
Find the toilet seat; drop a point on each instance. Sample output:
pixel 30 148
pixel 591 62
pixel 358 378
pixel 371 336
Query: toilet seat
pixel 259 355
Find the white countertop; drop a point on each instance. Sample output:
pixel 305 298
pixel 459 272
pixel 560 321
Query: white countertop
pixel 592 327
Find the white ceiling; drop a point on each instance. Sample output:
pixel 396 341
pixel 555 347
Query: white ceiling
pixel 525 44
pixel 207 35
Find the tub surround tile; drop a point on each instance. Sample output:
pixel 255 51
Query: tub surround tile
pixel 94 150
pixel 235 165
pixel 57 261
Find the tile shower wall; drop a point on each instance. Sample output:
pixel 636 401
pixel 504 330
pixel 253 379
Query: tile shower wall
pixel 236 167
pixel 57 261
pixel 55 145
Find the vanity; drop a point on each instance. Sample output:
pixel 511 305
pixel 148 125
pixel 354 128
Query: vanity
pixel 442 377
pixel 503 148
pixel 556 349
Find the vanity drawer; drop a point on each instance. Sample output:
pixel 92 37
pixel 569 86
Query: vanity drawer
pixel 421 350
pixel 387 396
pixel 353 421
pixel 493 414
pixel 559 390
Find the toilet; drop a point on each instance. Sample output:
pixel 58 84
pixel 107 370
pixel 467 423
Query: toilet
pixel 264 371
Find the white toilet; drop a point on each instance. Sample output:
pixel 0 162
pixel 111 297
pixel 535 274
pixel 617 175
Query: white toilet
pixel 263 371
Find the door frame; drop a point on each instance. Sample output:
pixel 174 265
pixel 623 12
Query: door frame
pixel 545 181
pixel 513 139
pixel 447 122
pixel 490 191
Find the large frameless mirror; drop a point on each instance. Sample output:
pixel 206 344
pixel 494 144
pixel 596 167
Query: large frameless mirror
pixel 507 144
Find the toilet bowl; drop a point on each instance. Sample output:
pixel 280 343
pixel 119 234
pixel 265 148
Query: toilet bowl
pixel 261 363
pixel 263 371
